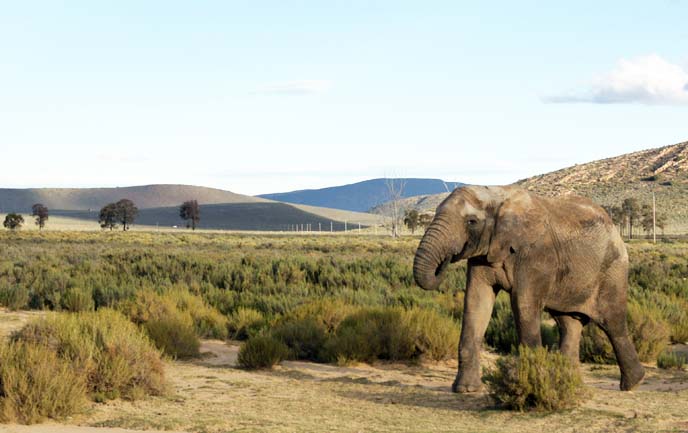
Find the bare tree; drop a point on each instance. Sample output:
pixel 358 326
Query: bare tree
pixel 190 211
pixel 395 192
pixel 41 213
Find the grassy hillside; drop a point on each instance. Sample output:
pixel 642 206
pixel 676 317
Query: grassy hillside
pixel 146 196
pixel 609 181
pixel 231 216
pixel 361 196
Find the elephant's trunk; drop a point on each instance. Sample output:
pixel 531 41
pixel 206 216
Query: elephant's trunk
pixel 432 257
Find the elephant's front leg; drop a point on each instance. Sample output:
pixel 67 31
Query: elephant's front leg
pixel 478 303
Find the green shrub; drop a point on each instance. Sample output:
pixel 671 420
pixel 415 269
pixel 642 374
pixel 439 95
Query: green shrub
pixel 208 322
pixel 262 352
pixel 327 312
pixel 370 334
pixel 649 332
pixel 671 360
pixel 36 384
pixel 174 334
pixel 535 380
pixel 114 356
pixel 245 323
pixel 434 336
pixel 14 297
pixel 77 299
pixel 305 338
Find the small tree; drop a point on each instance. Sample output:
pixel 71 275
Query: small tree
pixel 41 213
pixel 13 221
pixel 190 212
pixel 411 220
pixel 126 212
pixel 108 216
pixel 631 208
pixel 424 220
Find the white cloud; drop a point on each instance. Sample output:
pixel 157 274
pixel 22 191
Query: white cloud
pixel 298 87
pixel 647 80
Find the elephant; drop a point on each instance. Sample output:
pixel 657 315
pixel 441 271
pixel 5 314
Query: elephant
pixel 562 255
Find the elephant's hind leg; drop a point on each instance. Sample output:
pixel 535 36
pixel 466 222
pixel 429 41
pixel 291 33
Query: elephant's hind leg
pixel 632 372
pixel 570 329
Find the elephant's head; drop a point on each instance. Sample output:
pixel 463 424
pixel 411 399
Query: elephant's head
pixel 463 227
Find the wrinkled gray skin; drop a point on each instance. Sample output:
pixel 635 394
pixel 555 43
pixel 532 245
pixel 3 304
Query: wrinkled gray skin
pixel 562 255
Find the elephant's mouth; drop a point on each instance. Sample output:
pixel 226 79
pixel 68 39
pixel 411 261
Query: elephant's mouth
pixel 452 258
pixel 443 266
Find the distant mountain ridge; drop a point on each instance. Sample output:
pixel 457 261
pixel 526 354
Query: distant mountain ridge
pixel 145 197
pixel 361 196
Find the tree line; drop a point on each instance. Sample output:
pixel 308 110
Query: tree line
pixel 631 215
pixel 111 215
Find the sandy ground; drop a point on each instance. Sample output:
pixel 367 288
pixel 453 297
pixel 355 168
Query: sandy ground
pixel 212 395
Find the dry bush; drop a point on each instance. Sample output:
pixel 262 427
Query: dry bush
pixel 116 358
pixel 435 336
pixel 35 384
pixel 172 330
pixel 245 323
pixel 174 334
pixel 262 352
pixel 393 333
pixel 535 380
pixel 77 299
pixel 207 321
pixel 327 312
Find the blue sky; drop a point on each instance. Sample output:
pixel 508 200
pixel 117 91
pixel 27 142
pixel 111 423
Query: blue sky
pixel 267 96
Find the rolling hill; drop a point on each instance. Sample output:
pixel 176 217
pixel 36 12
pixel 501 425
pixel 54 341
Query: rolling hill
pixel 609 181
pixel 360 196
pixel 146 196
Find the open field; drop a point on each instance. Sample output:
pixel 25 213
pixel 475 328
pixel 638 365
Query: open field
pixel 278 277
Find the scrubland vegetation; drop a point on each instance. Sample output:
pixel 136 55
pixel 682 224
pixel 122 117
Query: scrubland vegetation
pixel 134 297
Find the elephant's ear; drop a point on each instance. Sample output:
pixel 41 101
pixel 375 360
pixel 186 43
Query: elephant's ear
pixel 516 226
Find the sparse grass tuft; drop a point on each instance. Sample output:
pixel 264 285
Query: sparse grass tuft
pixel 535 380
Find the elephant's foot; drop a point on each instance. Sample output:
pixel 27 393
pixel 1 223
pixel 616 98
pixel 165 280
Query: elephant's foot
pixel 632 378
pixel 466 384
